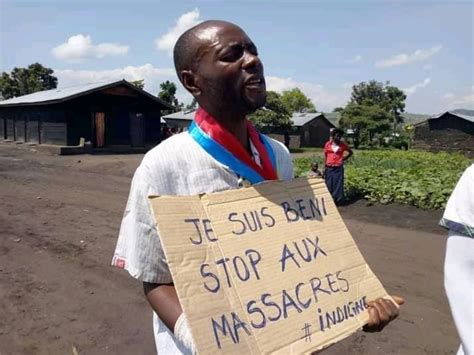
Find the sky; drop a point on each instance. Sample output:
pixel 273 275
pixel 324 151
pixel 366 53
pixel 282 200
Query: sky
pixel 323 47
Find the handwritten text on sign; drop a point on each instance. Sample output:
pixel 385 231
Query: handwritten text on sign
pixel 270 268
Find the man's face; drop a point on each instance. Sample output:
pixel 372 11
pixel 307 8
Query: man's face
pixel 230 72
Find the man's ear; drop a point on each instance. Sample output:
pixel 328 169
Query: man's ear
pixel 189 81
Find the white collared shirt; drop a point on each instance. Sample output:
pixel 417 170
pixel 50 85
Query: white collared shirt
pixel 177 166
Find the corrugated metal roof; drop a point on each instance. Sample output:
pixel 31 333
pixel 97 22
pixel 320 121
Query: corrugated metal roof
pixel 301 118
pixel 66 93
pixel 181 115
pixel 465 117
pixel 333 117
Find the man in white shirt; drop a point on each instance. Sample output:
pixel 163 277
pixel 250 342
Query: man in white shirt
pixel 219 65
pixel 458 218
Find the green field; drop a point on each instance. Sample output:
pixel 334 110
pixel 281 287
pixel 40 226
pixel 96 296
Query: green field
pixel 421 179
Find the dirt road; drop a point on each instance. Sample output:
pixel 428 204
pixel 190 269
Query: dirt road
pixel 59 219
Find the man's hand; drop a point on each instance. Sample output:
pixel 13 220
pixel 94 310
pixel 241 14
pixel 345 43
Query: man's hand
pixel 164 301
pixel 382 312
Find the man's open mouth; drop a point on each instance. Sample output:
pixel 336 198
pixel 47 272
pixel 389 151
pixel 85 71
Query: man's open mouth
pixel 256 82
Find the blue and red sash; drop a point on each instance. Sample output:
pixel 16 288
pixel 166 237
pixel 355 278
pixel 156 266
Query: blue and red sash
pixel 226 149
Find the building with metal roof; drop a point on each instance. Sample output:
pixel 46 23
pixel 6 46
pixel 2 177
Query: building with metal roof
pixel 181 119
pixel 114 113
pixel 448 131
pixel 311 128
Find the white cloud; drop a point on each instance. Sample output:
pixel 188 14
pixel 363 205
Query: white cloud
pixel 356 59
pixel 79 48
pixel 151 75
pixel 412 89
pixel 401 59
pixel 323 99
pixel 464 100
pixel 167 41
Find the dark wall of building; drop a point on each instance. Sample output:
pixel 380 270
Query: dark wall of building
pixel 129 118
pixel 175 123
pixel 53 126
pixel 315 133
pixel 294 139
pixel 34 124
pixel 152 127
pixel 453 122
pixel 448 133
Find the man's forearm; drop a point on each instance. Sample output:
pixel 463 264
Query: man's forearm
pixel 164 301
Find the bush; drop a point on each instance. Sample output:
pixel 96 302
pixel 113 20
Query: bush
pixel 400 144
pixel 421 179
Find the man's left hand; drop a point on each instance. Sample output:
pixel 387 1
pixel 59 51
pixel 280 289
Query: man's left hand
pixel 382 312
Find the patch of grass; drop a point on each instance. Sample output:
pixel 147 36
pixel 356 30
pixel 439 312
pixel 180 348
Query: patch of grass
pixel 421 179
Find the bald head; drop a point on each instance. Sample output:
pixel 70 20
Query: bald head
pixel 218 64
pixel 186 50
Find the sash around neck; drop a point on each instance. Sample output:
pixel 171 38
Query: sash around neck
pixel 225 148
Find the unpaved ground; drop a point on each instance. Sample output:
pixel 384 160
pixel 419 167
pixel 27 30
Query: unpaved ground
pixel 59 218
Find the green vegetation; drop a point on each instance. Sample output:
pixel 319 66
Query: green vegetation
pixel 421 179
pixel 373 112
pixel 168 94
pixel 139 83
pixel 23 81
pixel 278 109
pixel 273 114
pixel 295 100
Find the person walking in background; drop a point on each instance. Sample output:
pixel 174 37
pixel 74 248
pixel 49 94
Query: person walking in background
pixel 458 218
pixel 336 153
pixel 287 139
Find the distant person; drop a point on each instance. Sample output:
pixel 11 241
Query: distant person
pixel 165 132
pixel 287 139
pixel 336 153
pixel 458 218
pixel 315 172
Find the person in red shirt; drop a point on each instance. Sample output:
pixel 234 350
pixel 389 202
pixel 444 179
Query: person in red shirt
pixel 336 153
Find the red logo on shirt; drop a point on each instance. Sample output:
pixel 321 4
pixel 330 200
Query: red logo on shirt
pixel 120 263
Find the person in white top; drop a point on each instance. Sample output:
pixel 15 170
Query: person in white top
pixel 219 65
pixel 458 218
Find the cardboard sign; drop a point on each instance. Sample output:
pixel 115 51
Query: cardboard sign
pixel 265 269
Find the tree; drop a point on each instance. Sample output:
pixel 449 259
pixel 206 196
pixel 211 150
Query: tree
pixel 365 120
pixel 192 105
pixel 139 83
pixel 23 81
pixel 273 114
pixel 390 98
pixel 295 100
pixel 168 94
pixel 373 109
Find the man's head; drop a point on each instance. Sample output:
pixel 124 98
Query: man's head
pixel 219 65
pixel 337 134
